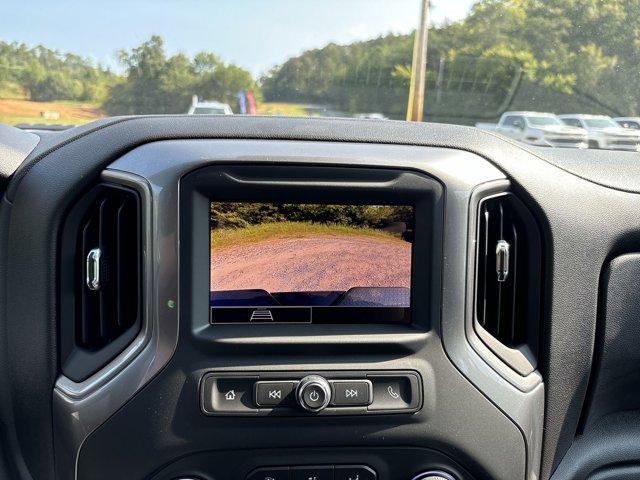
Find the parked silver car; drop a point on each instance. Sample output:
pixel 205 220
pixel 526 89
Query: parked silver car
pixel 604 132
pixel 628 122
pixel 538 128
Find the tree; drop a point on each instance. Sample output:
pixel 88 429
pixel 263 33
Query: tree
pixel 44 74
pixel 356 77
pixel 556 55
pixel 155 83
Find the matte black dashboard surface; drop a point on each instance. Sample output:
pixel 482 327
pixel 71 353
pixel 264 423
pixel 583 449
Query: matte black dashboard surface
pixel 582 231
pixel 617 170
pixel 616 372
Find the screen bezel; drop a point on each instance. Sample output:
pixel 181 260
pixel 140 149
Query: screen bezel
pixel 289 183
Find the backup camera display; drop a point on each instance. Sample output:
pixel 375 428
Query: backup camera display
pixel 284 262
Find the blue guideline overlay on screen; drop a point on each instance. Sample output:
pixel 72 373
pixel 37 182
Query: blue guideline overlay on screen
pixel 310 263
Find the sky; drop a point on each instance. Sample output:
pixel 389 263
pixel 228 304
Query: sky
pixel 254 34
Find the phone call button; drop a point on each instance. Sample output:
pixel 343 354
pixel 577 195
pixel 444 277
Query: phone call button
pixel 394 392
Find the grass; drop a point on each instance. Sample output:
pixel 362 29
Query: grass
pixel 228 237
pixel 11 90
pixel 14 111
pixel 282 109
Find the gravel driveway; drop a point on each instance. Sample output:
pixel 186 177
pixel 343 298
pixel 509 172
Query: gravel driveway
pixel 321 262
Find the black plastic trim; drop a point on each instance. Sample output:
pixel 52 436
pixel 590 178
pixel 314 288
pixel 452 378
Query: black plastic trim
pixel 399 462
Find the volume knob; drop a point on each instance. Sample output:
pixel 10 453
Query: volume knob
pixel 313 393
pixel 435 475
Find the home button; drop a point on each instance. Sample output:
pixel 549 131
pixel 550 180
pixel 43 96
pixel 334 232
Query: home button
pixel 228 395
pixel 271 473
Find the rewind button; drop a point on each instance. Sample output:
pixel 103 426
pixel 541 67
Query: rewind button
pixel 274 394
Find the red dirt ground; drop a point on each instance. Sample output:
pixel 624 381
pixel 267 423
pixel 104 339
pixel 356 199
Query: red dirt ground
pixel 325 262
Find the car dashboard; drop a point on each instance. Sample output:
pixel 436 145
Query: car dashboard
pixel 513 359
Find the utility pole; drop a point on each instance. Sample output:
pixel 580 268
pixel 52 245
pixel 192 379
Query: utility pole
pixel 415 106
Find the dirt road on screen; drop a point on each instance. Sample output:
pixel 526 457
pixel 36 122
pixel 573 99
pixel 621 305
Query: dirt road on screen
pixel 321 262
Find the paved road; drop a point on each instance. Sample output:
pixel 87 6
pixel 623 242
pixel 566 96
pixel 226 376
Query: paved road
pixel 321 262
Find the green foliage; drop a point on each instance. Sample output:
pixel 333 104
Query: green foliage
pixel 356 77
pixel 155 83
pixel 553 55
pixel 44 74
pixel 232 237
pixel 240 215
pixel 586 50
pixel 373 76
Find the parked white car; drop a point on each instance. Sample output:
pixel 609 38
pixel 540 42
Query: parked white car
pixel 538 128
pixel 371 116
pixel 629 122
pixel 208 108
pixel 604 132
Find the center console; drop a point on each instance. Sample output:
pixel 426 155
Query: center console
pixel 307 314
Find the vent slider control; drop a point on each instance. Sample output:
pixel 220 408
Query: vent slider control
pixel 502 260
pixel 93 269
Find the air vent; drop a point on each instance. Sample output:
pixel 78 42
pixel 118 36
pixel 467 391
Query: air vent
pixel 508 280
pixel 101 283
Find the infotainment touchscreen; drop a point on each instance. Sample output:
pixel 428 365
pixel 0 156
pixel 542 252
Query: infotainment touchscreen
pixel 301 263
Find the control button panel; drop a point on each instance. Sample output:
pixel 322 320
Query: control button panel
pixel 299 393
pixel 319 472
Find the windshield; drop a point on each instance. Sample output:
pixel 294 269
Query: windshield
pixel 464 62
pixel 544 121
pixel 600 123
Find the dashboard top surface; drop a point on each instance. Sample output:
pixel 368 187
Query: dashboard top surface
pixel 610 169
